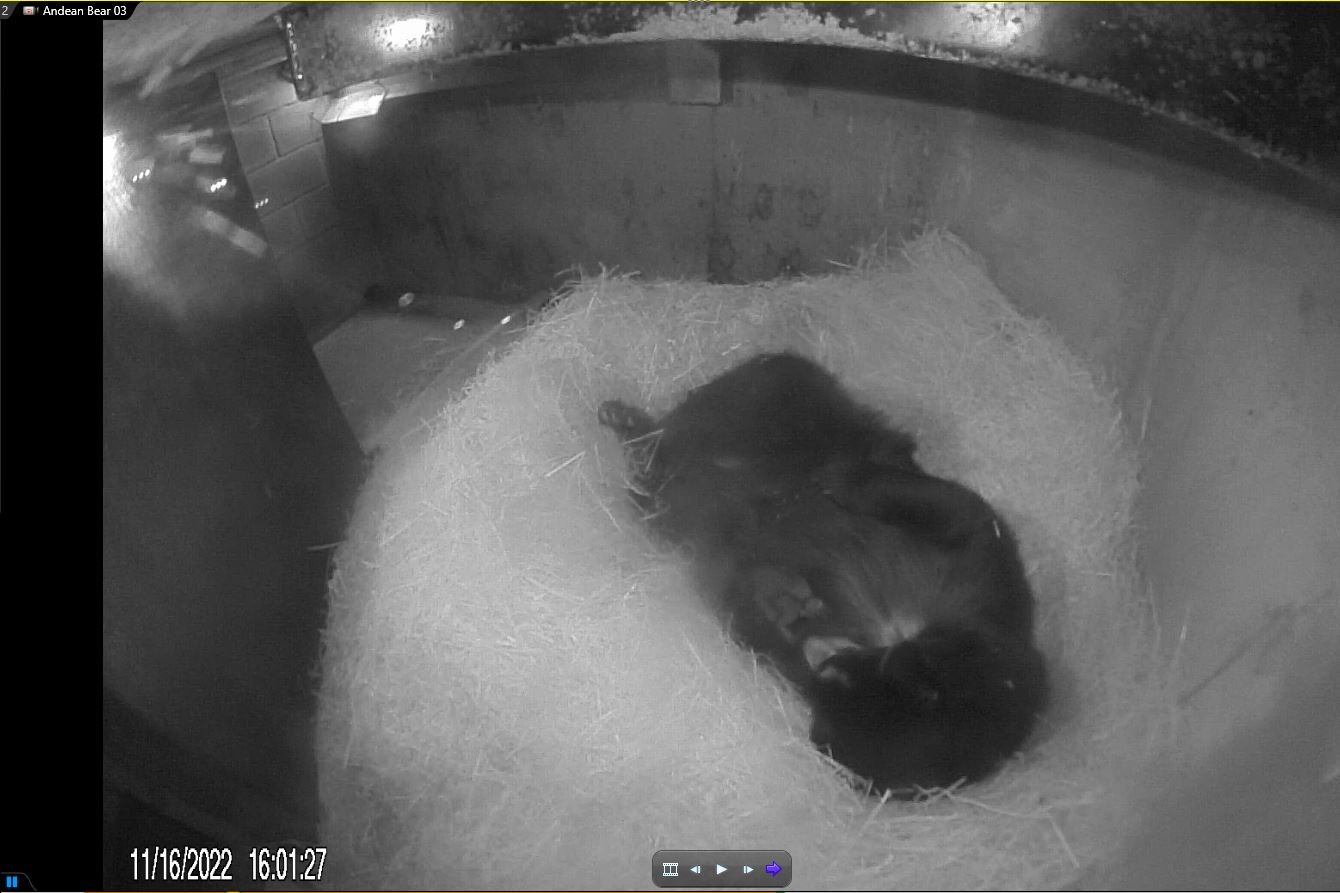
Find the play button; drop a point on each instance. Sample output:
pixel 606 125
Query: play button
pixel 761 870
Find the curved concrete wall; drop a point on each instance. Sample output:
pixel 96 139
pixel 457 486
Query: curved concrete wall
pixel 1216 309
pixel 1206 282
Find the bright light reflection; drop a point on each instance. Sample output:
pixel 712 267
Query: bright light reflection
pixel 402 35
pixel 994 25
pixel 111 160
pixel 115 194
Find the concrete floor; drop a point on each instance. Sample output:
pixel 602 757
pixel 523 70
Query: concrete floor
pixel 378 363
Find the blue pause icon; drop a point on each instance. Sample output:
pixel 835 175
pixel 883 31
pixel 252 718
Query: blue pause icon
pixel 11 882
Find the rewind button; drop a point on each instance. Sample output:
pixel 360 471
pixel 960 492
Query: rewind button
pixel 721 868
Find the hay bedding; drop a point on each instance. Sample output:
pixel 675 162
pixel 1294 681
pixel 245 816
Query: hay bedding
pixel 521 690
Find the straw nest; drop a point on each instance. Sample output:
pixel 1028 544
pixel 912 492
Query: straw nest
pixel 522 690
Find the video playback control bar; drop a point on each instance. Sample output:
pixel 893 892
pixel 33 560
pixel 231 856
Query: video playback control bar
pixel 721 868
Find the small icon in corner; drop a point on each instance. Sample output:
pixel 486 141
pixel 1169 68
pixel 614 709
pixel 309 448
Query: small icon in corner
pixel 721 869
pixel 772 868
pixel 697 869
pixel 747 869
pixel 669 869
pixel 28 11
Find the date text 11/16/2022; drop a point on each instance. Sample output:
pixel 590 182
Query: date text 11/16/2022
pixel 266 864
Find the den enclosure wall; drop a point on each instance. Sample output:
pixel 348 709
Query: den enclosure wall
pixel 325 258
pixel 1207 297
pixel 228 473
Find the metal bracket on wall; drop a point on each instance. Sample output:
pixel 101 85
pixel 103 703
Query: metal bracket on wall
pixel 301 83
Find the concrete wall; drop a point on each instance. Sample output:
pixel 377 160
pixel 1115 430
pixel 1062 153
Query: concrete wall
pixel 326 260
pixel 1210 301
pixel 227 473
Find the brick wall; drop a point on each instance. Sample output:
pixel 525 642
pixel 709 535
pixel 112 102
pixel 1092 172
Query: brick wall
pixel 326 261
